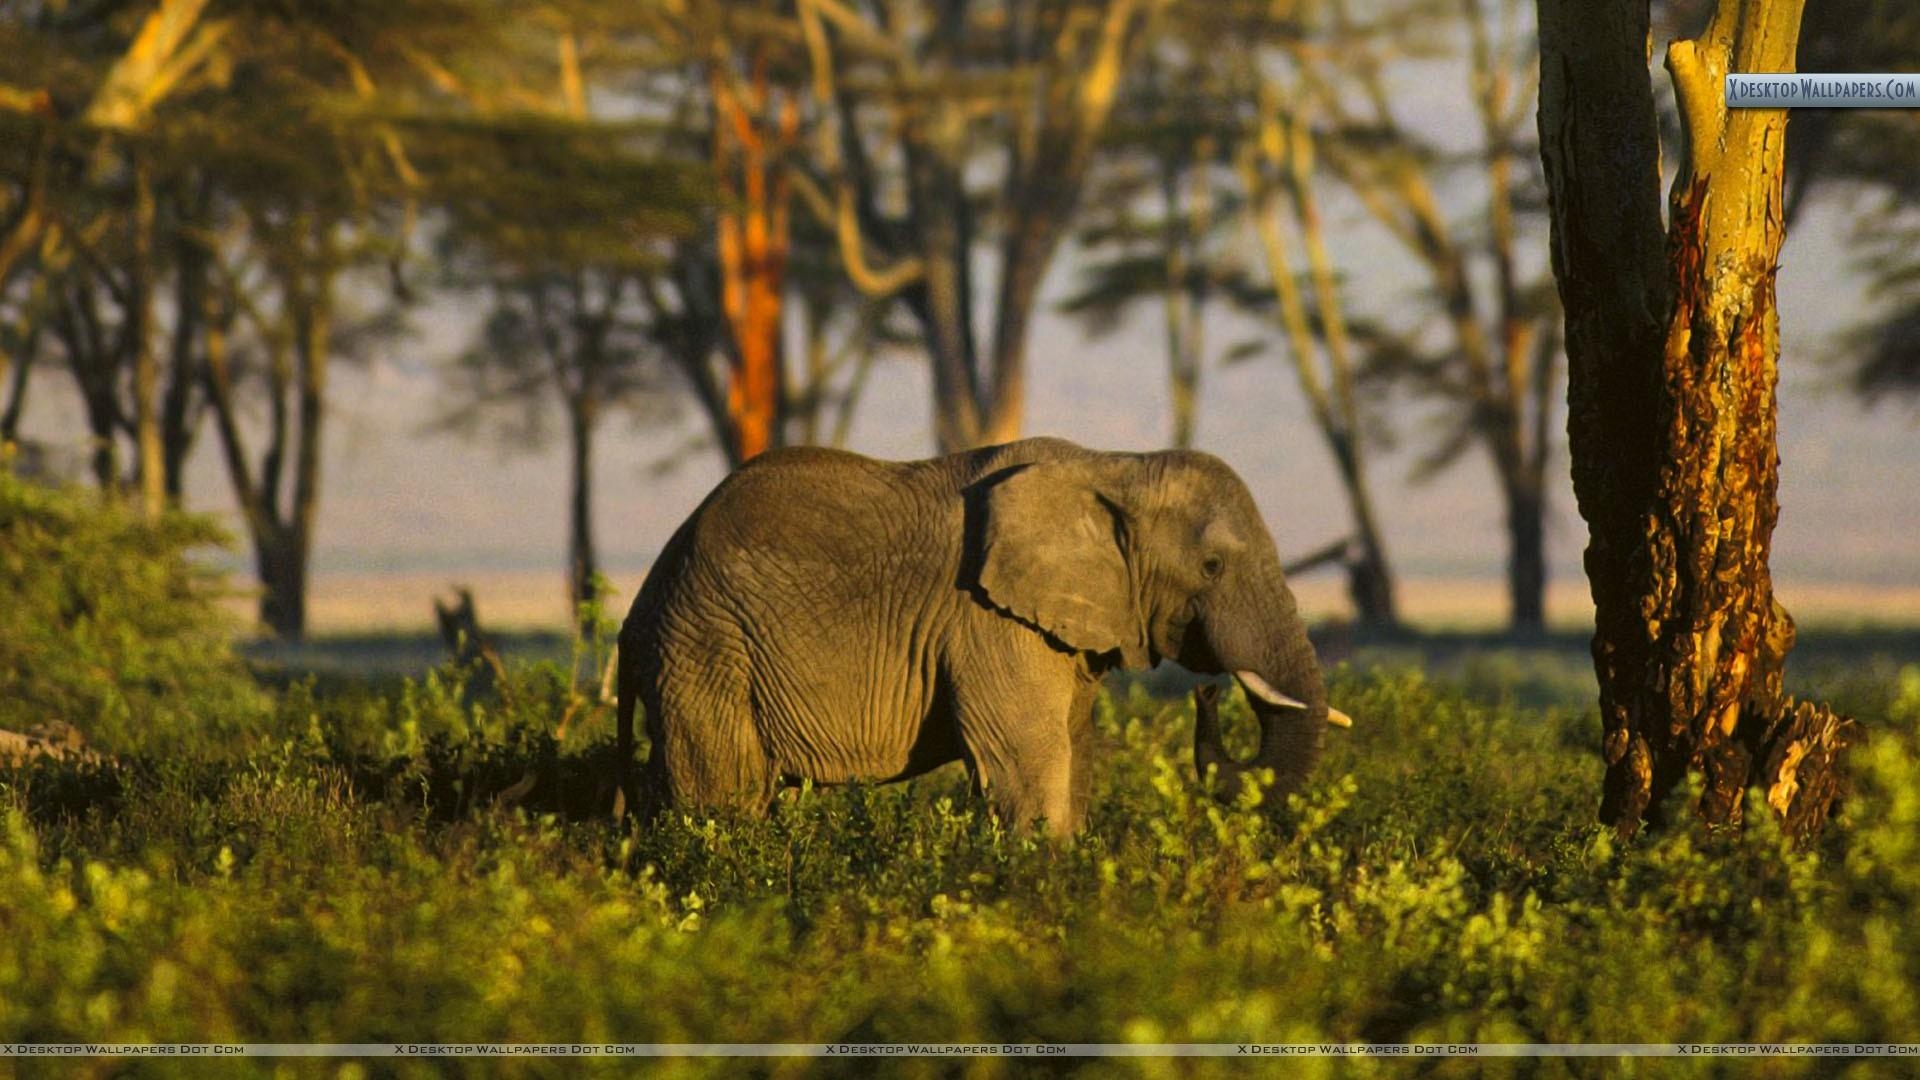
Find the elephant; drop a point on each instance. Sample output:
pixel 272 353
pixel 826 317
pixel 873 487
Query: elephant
pixel 828 617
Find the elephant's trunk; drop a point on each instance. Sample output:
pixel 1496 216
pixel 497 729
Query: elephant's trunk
pixel 1289 742
pixel 1256 633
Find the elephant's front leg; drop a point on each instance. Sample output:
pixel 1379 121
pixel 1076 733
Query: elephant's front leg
pixel 1018 726
pixel 1027 780
pixel 1080 735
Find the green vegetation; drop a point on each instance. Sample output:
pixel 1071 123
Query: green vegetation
pixel 108 626
pixel 376 862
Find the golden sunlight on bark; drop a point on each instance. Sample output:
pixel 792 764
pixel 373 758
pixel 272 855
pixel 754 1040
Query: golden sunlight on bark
pixel 1673 343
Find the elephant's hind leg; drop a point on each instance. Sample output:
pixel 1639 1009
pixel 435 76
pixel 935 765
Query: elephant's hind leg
pixel 713 757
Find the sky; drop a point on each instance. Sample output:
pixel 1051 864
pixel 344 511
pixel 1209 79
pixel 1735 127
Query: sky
pixel 397 500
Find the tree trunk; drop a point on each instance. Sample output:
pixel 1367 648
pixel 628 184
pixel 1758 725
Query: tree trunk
pixel 177 412
pixel 1526 557
pixel 279 554
pixel 1023 265
pixel 314 322
pixel 95 366
pixel 1183 391
pixel 103 420
pixel 1185 295
pixel 1369 581
pixel 146 359
pixel 752 238
pixel 1672 346
pixel 582 566
pixel 19 377
pixel 281 559
pixel 283 542
pixel 1370 585
pixel 943 301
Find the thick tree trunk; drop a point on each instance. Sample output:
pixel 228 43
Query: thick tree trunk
pixel 1370 586
pixel 1672 345
pixel 943 301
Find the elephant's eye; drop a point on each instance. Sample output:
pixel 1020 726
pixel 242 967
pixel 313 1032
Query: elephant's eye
pixel 1213 566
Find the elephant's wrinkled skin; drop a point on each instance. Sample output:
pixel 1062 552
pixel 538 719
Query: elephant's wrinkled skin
pixel 828 617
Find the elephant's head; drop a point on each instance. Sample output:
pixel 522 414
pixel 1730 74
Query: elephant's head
pixel 1165 555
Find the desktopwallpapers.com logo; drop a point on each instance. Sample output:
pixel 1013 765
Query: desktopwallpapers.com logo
pixel 1823 91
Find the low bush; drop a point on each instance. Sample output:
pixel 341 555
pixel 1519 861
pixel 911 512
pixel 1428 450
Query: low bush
pixel 110 625
pixel 406 866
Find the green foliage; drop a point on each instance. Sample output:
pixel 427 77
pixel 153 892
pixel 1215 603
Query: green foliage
pixel 109 625
pixel 413 863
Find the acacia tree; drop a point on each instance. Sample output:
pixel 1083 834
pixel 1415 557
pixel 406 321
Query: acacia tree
pixel 92 304
pixel 754 131
pixel 1158 215
pixel 84 211
pixel 555 221
pixel 217 156
pixel 286 308
pixel 1673 344
pixel 1217 94
pixel 554 215
pixel 844 335
pixel 1279 157
pixel 734 73
pixel 919 101
pixel 312 183
pixel 1492 360
pixel 567 337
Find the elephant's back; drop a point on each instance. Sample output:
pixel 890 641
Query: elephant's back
pixel 820 506
pixel 817 518
pixel 806 553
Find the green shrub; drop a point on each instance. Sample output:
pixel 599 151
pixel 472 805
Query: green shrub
pixel 108 623
pixel 415 865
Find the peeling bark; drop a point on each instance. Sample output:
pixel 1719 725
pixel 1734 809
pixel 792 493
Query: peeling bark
pixel 1673 343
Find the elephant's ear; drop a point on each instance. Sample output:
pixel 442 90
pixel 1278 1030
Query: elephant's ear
pixel 1049 554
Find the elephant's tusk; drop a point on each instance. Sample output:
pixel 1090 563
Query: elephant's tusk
pixel 1262 689
pixel 1338 718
